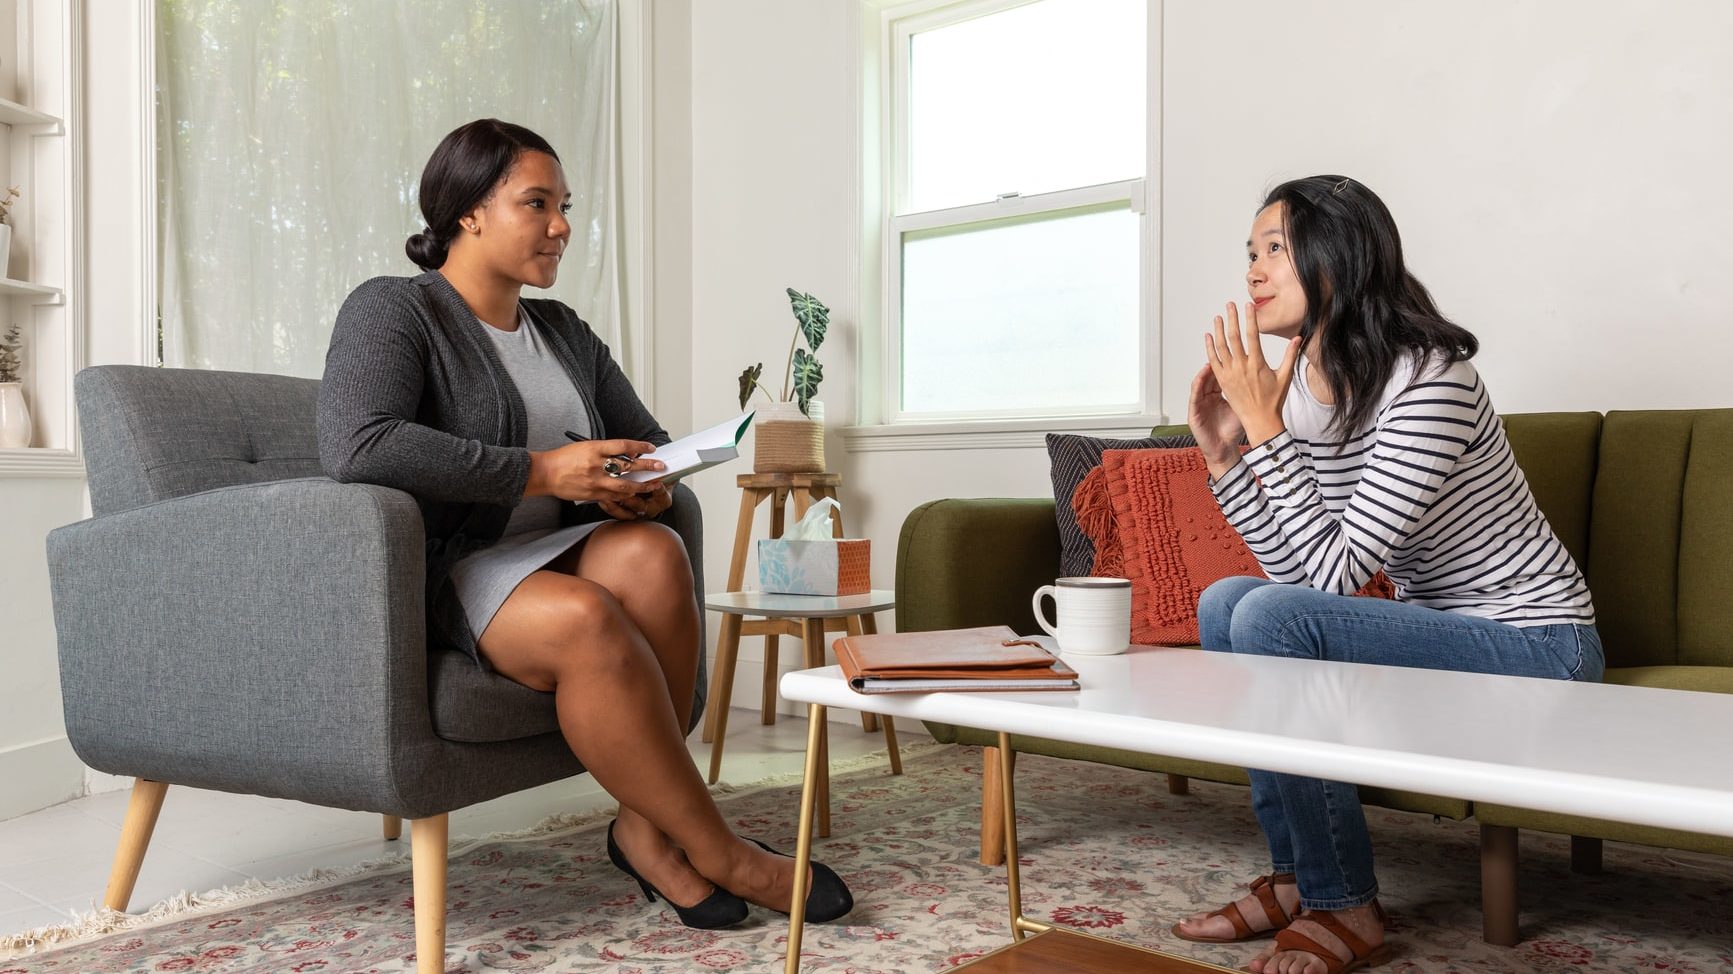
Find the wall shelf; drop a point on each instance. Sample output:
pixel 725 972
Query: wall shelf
pixel 36 461
pixel 10 286
pixel 12 113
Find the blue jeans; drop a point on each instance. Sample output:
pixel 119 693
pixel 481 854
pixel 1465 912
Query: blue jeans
pixel 1316 828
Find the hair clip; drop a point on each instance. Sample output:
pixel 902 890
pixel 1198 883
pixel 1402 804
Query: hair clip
pixel 1339 187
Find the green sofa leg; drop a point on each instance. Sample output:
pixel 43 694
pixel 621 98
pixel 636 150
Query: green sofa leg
pixel 1585 855
pixel 1498 858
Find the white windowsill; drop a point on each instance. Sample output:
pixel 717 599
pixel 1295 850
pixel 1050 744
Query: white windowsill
pixel 989 434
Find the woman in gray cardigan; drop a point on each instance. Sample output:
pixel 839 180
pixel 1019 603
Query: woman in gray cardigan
pixel 542 563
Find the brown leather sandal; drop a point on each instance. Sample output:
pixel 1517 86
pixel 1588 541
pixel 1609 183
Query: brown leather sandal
pixel 1362 953
pixel 1264 888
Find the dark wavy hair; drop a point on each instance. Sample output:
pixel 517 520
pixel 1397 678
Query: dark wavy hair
pixel 463 170
pixel 1359 294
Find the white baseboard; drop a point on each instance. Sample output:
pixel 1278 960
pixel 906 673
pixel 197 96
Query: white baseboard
pixel 37 775
pixel 96 782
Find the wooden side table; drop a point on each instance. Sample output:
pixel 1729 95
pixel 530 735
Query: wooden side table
pixel 805 490
pixel 855 612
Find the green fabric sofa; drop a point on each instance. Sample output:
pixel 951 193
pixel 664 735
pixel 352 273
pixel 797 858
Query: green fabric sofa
pixel 1641 499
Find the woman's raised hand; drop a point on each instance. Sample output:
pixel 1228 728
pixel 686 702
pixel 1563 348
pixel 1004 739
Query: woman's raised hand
pixel 579 472
pixel 1213 423
pixel 1253 389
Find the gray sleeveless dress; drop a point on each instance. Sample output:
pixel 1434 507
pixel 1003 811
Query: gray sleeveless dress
pixel 533 537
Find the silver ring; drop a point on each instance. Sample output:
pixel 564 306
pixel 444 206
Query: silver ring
pixel 614 467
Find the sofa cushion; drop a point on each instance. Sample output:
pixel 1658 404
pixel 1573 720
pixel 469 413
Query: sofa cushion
pixel 474 706
pixel 1710 679
pixel 1070 458
pixel 1597 828
pixel 1662 524
pixel 1557 454
pixel 1706 544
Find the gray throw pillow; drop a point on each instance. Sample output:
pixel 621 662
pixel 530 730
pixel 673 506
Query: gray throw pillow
pixel 1072 456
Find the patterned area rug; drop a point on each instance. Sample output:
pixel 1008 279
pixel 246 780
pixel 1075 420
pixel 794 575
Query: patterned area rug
pixel 1106 850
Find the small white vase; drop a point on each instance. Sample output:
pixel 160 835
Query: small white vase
pixel 14 416
pixel 5 249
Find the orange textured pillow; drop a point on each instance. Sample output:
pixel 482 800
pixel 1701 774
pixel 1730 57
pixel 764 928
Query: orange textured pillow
pixel 1095 519
pixel 1173 540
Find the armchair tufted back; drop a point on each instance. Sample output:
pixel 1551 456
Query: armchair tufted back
pixel 150 434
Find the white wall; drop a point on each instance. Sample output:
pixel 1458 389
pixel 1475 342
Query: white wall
pixel 1559 170
pixel 37 766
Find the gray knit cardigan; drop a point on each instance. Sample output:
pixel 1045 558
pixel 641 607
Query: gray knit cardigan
pixel 415 397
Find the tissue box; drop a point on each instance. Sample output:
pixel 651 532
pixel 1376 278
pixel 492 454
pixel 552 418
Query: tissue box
pixel 836 567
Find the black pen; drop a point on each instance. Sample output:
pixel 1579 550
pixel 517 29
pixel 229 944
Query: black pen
pixel 575 438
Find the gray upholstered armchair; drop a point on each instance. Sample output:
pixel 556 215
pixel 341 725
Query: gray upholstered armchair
pixel 232 619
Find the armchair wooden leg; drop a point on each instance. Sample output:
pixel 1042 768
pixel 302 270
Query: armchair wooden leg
pixel 891 746
pixel 1498 905
pixel 1178 784
pixel 1585 855
pixel 392 826
pixel 428 842
pixel 135 832
pixel 992 808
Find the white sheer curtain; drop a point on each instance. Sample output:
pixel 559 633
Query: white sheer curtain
pixel 291 140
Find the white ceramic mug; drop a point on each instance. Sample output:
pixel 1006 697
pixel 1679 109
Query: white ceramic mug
pixel 1094 614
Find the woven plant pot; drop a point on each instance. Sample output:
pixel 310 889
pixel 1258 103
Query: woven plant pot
pixel 786 441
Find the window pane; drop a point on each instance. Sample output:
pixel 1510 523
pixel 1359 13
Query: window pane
pixel 1036 98
pixel 1033 314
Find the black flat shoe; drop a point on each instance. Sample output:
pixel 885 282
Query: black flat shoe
pixel 720 909
pixel 828 899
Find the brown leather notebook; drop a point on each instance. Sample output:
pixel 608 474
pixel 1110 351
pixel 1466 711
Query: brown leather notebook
pixel 992 658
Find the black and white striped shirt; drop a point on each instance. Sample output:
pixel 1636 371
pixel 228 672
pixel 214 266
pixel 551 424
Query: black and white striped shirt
pixel 1431 493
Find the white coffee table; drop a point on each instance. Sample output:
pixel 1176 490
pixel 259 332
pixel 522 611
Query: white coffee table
pixel 1629 754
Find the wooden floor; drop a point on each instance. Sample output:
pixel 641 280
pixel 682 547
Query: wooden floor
pixel 1064 952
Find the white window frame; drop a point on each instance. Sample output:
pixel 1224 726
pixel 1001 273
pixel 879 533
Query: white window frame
pixel 887 29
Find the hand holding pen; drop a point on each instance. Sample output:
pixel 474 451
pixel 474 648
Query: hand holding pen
pixel 613 466
pixel 591 470
pixel 594 471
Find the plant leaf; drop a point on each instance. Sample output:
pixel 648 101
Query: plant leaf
pixel 807 375
pixel 748 381
pixel 813 316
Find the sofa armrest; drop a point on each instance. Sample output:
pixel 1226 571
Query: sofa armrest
pixel 975 562
pixel 265 638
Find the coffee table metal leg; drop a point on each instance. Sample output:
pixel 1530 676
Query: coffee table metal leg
pixel 816 767
pixel 812 635
pixel 1020 924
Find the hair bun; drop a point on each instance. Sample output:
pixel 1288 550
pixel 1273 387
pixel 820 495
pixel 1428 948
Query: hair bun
pixel 426 250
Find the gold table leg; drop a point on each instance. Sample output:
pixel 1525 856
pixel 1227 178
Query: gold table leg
pixel 1020 924
pixel 815 767
pixel 813 637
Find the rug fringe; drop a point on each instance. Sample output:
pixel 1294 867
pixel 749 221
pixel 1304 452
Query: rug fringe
pixel 103 921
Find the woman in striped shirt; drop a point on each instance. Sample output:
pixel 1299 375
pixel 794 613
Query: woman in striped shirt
pixel 1374 446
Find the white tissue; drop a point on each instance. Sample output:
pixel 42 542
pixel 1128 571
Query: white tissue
pixel 815 524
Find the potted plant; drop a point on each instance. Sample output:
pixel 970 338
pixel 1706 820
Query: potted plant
pixel 790 429
pixel 14 417
pixel 6 229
